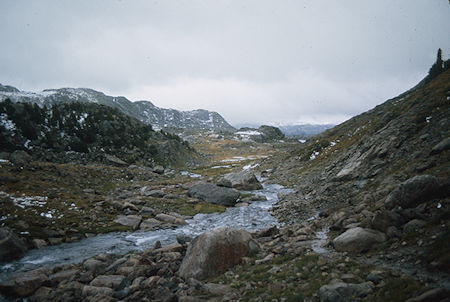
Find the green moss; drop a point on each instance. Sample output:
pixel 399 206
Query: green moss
pixel 201 207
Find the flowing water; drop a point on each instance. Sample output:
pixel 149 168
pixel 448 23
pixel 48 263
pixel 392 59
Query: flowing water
pixel 252 217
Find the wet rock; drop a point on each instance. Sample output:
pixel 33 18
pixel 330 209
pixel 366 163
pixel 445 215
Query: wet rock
pixel 11 246
pixel 23 284
pixel 258 197
pixel 442 146
pixel 170 219
pixel 215 251
pixel 343 292
pixel 244 180
pixel 55 240
pixel 150 224
pixel 358 240
pixel 214 194
pixel 116 282
pixel 413 192
pixel 39 243
pixel 267 232
pixel 170 248
pixel 183 239
pixel 132 221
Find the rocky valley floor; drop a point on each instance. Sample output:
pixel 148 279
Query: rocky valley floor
pixel 367 218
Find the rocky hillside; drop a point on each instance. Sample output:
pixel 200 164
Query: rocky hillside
pixel 144 111
pixel 366 157
pixel 378 184
pixel 86 131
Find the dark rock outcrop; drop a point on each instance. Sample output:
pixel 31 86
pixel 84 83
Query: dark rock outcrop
pixel 214 194
pixel 11 246
pixel 414 191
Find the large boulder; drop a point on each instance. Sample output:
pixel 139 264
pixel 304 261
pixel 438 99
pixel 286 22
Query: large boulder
pixel 413 192
pixel 358 240
pixel 132 221
pixel 215 251
pixel 244 180
pixel 23 284
pixel 214 194
pixel 343 292
pixel 11 246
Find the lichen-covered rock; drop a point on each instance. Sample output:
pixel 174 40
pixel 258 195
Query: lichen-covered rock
pixel 215 251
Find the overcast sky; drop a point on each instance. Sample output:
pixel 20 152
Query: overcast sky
pixel 255 61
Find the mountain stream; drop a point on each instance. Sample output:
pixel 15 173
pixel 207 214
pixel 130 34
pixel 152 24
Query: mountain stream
pixel 253 217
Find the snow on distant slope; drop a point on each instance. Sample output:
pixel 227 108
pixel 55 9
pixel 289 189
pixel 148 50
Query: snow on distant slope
pixel 142 110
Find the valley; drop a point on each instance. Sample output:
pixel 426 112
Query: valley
pixel 361 213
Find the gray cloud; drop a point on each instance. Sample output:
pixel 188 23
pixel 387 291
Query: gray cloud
pixel 253 61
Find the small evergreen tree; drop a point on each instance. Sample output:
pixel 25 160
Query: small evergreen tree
pixel 437 67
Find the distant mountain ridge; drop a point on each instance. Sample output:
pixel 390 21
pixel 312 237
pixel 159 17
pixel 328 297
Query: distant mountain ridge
pixel 304 130
pixel 144 111
pixel 300 130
